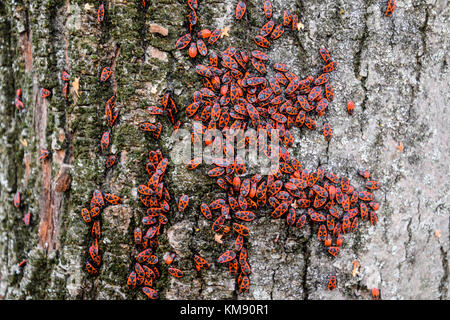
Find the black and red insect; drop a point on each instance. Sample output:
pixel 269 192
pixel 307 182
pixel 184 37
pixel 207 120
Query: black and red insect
pixel 332 282
pixel 106 73
pixel 101 12
pixel 240 10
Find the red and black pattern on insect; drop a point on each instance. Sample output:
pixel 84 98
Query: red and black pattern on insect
pixel 268 9
pixel 93 219
pixel 169 108
pixel 244 98
pixel 101 12
pixel 390 8
pixel 183 202
pixel 17 200
pixel 196 41
pixel 18 100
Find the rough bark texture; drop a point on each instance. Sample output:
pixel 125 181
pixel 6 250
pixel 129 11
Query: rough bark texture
pixel 395 69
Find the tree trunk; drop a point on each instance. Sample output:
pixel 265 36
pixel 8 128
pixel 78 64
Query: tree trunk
pixel 394 69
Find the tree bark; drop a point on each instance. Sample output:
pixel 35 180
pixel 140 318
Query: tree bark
pixel 394 69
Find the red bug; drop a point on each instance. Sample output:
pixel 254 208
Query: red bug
pixel 350 107
pixel 132 280
pixel 95 211
pixel 110 161
pixel 85 214
pixel 201 262
pixel 27 218
pixel 325 55
pixel 137 235
pixel 245 284
pixel 45 93
pixel 201 46
pixel 104 142
pixel 97 199
pixel 241 229
pixel 365 174
pixel 204 208
pixel 260 55
pixel 22 263
pixel 390 8
pixel 334 251
pixel 329 67
pixel 332 283
pixel 215 35
pixel 287 17
pixel 194 163
pixel 245 215
pixel 372 185
pixel 193 4
pixel 91 269
pixel 204 34
pixel 65 90
pixel 329 92
pixel 276 33
pixel 373 218
pixel 365 196
pixel 327 132
pixel 106 73
pixel 374 205
pixel 96 230
pixel 375 293
pixel 65 76
pixel 101 12
pixel 192 17
pixel 17 199
pixel 267 28
pixel 227 256
pixel 322 233
pixel 150 293
pixel 174 272
pixel 183 202
pixel 294 22
pixel 240 10
pixel 19 104
pixel 44 154
pixel 268 9
pixel 112 198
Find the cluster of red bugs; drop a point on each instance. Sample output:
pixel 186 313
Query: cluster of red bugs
pixel 92 217
pixel 169 108
pixel 270 30
pixel 234 98
pixel 155 197
pixel 199 45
